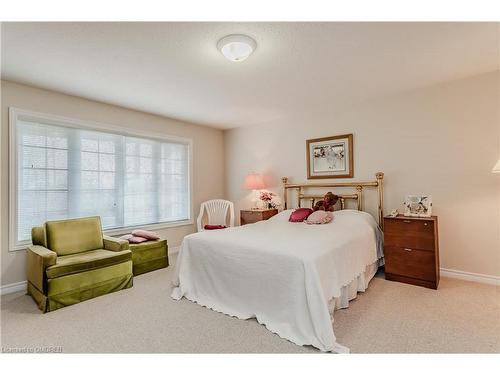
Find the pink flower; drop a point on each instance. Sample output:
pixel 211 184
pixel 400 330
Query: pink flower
pixel 266 196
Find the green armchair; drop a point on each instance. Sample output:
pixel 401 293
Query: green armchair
pixel 71 261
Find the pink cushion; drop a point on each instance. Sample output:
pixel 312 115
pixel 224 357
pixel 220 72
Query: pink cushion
pixel 320 217
pixel 146 234
pixel 133 239
pixel 300 214
pixel 212 227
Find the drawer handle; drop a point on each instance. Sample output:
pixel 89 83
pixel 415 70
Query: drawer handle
pixel 425 224
pixel 407 249
pixel 406 221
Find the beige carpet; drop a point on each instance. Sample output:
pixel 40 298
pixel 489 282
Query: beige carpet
pixel 390 317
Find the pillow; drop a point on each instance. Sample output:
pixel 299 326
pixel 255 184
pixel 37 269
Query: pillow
pixel 319 217
pixel 212 227
pixel 300 214
pixel 146 234
pixel 133 239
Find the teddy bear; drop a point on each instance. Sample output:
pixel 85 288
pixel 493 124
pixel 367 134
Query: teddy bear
pixel 328 202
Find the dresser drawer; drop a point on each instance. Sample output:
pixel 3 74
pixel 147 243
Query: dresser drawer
pixel 411 227
pixel 410 263
pixel 250 217
pixel 257 215
pixel 253 216
pixel 394 239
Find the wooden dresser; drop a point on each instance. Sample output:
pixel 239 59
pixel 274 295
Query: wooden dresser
pixel 411 250
pixel 252 216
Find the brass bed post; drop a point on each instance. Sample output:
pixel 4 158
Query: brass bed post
pixel 359 189
pixel 284 180
pixel 380 187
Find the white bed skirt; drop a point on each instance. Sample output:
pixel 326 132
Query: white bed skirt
pixel 351 290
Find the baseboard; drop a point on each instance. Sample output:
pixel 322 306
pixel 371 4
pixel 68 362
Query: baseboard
pixel 13 288
pixel 471 276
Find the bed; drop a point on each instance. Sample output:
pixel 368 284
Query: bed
pixel 290 277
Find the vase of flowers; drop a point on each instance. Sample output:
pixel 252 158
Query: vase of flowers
pixel 267 199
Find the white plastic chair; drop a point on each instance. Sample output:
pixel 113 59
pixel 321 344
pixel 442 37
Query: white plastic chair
pixel 216 213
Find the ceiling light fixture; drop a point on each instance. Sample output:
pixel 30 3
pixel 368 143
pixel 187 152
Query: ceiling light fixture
pixel 236 47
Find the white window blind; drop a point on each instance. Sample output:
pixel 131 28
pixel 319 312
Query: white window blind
pixel 66 172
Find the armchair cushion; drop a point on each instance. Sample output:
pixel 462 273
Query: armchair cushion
pixel 89 260
pixel 212 227
pixel 39 258
pixel 74 236
pixel 114 244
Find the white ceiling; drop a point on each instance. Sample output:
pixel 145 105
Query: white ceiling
pixel 175 70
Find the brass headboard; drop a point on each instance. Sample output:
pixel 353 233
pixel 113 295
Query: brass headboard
pixel 356 196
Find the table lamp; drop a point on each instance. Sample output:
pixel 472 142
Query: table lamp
pixel 254 182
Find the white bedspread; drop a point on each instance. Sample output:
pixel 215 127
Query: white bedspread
pixel 283 274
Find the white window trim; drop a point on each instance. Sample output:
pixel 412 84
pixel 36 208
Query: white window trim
pixel 14 114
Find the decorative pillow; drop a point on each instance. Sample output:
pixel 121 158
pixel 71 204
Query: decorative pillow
pixel 146 234
pixel 133 239
pixel 319 217
pixel 212 227
pixel 300 214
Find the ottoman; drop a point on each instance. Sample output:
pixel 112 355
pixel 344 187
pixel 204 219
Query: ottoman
pixel 149 256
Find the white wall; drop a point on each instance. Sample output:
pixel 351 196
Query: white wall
pixel 208 177
pixel 441 140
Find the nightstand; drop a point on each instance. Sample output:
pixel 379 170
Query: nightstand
pixel 252 216
pixel 411 250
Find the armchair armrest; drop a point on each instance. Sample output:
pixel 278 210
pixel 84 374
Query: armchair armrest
pixel 115 244
pixel 39 258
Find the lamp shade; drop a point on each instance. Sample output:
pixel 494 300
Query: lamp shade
pixel 254 181
pixel 496 168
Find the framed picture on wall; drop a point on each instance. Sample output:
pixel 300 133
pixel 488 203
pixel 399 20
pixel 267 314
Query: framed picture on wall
pixel 330 157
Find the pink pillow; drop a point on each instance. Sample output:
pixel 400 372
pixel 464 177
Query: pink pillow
pixel 300 214
pixel 146 234
pixel 133 239
pixel 319 217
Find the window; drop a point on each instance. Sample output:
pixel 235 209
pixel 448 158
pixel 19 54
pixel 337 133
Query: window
pixel 67 169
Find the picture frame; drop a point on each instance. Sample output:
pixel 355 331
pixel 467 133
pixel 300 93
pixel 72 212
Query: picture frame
pixel 330 157
pixel 418 205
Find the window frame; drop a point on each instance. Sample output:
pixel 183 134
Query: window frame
pixel 50 119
